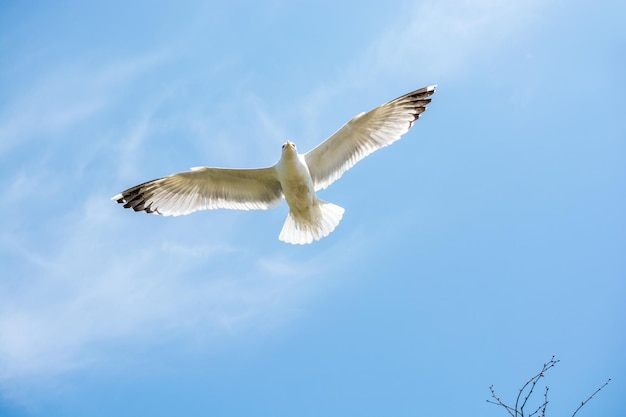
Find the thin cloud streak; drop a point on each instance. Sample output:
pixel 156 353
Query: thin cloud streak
pixel 99 289
pixel 439 39
pixel 67 95
pixel 435 42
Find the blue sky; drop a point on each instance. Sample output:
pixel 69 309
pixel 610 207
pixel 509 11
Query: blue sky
pixel 491 237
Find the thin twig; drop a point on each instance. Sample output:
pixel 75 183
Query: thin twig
pixel 499 402
pixel 552 362
pixel 591 396
pixel 532 387
pixel 545 402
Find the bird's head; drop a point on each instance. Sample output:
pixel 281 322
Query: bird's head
pixel 289 147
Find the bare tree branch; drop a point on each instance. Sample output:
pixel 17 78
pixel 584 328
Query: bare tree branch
pixel 552 362
pixel 499 402
pixel 527 390
pixel 591 396
pixel 542 407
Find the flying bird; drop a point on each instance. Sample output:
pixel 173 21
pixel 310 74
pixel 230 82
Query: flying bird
pixel 295 177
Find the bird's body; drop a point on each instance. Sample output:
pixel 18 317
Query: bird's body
pixel 296 177
pixel 309 217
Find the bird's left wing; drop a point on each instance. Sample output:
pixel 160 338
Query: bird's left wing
pixel 205 188
pixel 364 134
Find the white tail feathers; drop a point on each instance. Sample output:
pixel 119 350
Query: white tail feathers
pixel 321 219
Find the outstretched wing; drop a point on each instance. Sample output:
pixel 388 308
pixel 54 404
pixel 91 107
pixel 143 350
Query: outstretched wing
pixel 205 188
pixel 364 134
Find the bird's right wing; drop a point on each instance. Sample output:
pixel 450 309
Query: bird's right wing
pixel 205 188
pixel 364 134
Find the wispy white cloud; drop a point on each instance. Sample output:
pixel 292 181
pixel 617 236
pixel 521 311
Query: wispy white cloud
pixel 130 145
pixel 68 94
pixel 102 289
pixel 432 42
pixel 447 38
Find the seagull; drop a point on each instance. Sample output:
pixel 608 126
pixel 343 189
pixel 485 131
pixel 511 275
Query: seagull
pixel 295 177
